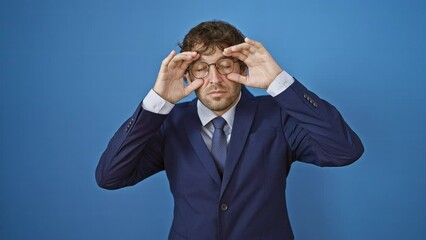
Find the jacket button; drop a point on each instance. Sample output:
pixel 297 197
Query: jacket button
pixel 223 207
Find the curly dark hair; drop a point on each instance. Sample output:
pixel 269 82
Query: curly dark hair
pixel 207 36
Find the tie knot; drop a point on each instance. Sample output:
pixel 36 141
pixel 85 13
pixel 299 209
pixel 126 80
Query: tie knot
pixel 219 123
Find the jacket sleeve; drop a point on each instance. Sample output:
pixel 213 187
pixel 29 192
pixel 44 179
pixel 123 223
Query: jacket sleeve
pixel 134 153
pixel 315 130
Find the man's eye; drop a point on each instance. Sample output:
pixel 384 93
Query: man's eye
pixel 224 66
pixel 200 68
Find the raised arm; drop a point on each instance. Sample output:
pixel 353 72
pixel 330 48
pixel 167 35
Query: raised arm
pixel 136 150
pixel 315 130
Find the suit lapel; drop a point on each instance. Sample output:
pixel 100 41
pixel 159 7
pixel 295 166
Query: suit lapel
pixel 244 115
pixel 193 131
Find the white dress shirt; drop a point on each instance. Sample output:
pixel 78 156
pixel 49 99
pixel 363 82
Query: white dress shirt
pixel 156 104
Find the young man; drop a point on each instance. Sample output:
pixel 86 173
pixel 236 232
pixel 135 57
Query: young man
pixel 226 153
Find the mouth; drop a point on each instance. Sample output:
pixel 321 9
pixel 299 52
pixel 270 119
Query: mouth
pixel 216 93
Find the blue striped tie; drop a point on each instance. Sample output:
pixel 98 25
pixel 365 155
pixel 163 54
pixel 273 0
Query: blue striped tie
pixel 219 143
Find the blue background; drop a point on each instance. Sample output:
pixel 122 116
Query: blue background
pixel 72 71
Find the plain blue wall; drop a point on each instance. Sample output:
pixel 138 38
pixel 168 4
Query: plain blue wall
pixel 72 71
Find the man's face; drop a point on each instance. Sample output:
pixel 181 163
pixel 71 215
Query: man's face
pixel 217 92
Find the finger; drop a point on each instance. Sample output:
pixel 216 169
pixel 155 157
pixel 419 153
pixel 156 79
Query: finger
pixel 253 43
pixel 192 86
pixel 240 56
pixel 185 64
pixel 190 52
pixel 237 78
pixel 167 60
pixel 241 51
pixel 237 47
pixel 178 59
pixel 186 55
pixel 244 48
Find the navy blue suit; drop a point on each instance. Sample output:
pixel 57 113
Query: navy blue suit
pixel 269 133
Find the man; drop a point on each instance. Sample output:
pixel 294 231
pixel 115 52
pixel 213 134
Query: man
pixel 226 153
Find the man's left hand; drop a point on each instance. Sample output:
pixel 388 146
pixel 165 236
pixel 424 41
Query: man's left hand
pixel 262 67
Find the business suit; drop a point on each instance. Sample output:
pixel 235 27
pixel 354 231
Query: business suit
pixel 249 201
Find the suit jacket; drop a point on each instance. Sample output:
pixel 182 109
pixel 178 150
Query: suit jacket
pixel 249 202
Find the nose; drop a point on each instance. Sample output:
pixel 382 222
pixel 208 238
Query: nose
pixel 214 76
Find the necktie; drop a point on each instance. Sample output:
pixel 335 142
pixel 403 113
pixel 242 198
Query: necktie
pixel 219 143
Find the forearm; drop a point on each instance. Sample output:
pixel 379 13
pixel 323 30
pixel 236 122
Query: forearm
pixel 316 130
pixel 133 153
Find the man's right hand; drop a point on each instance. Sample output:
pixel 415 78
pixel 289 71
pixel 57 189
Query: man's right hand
pixel 169 84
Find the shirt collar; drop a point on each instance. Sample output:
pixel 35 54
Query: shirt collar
pixel 206 115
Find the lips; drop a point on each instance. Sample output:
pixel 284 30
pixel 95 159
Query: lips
pixel 217 92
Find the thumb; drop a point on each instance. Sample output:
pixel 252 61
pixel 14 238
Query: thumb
pixel 192 86
pixel 237 78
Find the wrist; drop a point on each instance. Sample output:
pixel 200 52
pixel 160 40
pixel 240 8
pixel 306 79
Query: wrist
pixel 276 72
pixel 161 92
pixel 280 83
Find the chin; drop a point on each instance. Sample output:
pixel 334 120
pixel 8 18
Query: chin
pixel 219 104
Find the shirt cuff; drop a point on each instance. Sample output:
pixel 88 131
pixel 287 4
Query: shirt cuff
pixel 280 83
pixel 156 104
